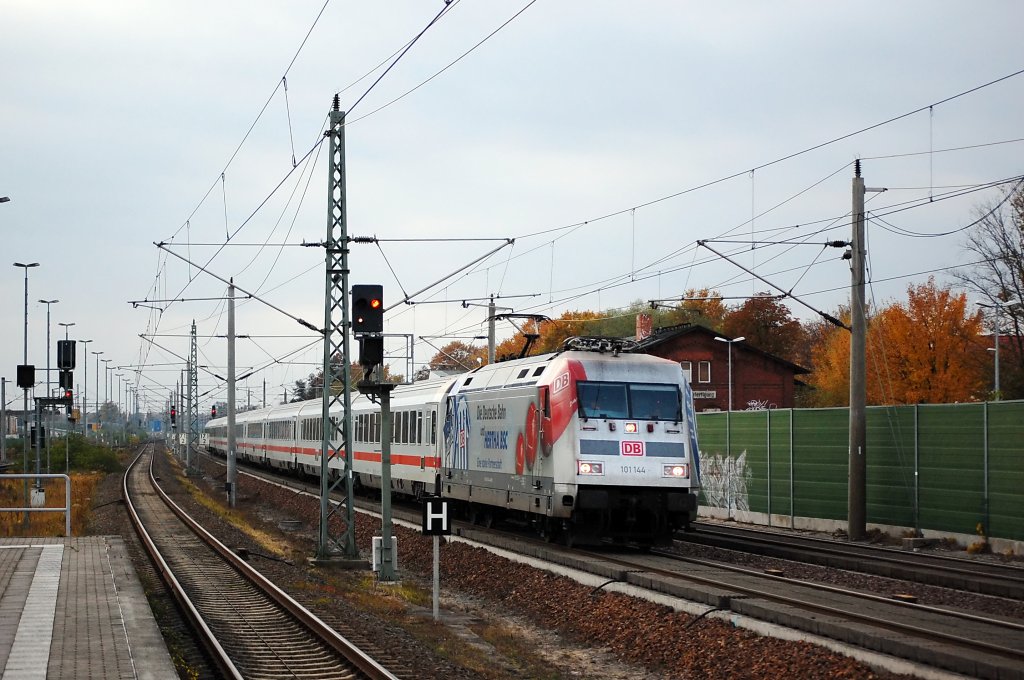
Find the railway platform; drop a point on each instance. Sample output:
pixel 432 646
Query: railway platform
pixel 75 608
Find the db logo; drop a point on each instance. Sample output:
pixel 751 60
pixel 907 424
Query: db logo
pixel 632 448
pixel 560 383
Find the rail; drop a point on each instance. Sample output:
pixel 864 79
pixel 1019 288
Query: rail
pixel 66 509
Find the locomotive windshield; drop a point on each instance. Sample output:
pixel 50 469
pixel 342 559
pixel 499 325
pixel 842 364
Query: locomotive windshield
pixel 629 400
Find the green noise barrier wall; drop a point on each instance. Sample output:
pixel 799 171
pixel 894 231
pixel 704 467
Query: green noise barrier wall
pixel 945 467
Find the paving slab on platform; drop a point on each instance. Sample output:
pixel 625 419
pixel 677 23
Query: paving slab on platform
pixel 74 608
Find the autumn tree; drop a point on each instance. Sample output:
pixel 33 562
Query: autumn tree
pixel 701 306
pixel 767 325
pixel 551 333
pixel 923 351
pixel 996 242
pixel 458 356
pixel 570 324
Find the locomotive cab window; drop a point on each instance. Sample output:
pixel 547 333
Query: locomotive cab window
pixel 635 400
pixel 602 400
pixel 655 402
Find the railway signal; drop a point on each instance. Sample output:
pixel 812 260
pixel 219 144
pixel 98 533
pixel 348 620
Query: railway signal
pixel 371 351
pixel 367 308
pixel 174 413
pixel 213 411
pixel 66 355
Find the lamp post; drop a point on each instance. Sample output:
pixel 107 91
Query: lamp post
pixel 48 303
pixel 106 385
pixel 85 391
pixel 24 408
pixel 106 380
pixel 120 420
pixel 66 327
pixel 98 419
pixel 730 344
pixel 997 305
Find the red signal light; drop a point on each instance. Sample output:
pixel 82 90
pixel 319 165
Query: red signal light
pixel 375 303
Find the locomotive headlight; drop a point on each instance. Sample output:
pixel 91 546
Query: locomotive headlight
pixel 588 468
pixel 629 428
pixel 679 470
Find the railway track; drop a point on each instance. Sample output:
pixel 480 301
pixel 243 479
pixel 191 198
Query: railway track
pixel 976 576
pixel 962 642
pixel 972 644
pixel 251 628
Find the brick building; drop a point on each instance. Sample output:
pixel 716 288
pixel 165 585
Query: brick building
pixel 759 379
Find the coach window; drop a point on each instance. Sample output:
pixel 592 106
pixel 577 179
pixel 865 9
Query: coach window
pixel 433 427
pixel 704 372
pixel 419 427
pixel 687 367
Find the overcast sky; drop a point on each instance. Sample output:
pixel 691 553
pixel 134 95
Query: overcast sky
pixel 117 120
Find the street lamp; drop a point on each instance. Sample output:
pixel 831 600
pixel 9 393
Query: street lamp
pixel 106 380
pixel 98 419
pixel 24 410
pixel 85 382
pixel 4 199
pixel 119 381
pixel 730 344
pixel 997 305
pixel 66 327
pixel 48 303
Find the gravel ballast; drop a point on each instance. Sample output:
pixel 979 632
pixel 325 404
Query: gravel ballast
pixel 502 619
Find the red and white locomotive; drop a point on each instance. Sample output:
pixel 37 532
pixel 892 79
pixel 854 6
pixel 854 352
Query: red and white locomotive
pixel 589 443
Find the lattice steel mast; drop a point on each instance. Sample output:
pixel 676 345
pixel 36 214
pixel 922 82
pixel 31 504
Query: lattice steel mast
pixel 336 368
pixel 193 399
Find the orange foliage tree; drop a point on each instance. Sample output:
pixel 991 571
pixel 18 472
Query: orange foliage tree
pixel 458 356
pixel 552 333
pixel 767 325
pixel 924 351
pixel 702 306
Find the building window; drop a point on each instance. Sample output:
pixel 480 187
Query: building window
pixel 687 370
pixel 704 371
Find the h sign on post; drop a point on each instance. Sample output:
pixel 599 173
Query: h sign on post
pixel 435 517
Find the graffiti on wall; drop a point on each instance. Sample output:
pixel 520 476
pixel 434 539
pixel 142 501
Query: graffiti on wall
pixel 725 480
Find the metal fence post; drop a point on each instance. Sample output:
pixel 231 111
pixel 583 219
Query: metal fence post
pixel 984 501
pixel 917 472
pixel 768 448
pixel 792 491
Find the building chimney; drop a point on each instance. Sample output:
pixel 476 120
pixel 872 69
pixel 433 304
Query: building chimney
pixel 643 326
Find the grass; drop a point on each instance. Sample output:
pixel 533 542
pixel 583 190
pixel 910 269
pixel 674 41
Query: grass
pixel 393 602
pixel 268 541
pixel 12 494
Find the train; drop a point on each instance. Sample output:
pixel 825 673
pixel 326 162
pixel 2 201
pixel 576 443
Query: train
pixel 589 444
